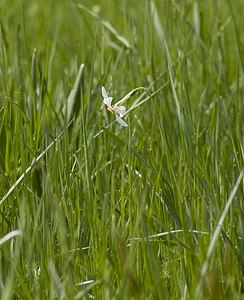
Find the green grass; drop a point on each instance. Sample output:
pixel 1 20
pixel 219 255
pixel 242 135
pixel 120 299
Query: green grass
pixel 151 211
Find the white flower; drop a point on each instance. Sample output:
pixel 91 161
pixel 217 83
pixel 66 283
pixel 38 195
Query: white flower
pixel 106 100
pixel 116 108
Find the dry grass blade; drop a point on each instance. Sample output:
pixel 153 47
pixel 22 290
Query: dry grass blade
pixel 10 235
pixel 32 165
pixel 73 104
pixel 107 25
pixel 218 229
pixel 160 234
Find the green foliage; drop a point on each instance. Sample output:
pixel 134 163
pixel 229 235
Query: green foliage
pixel 107 212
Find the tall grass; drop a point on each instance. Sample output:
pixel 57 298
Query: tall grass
pixel 89 209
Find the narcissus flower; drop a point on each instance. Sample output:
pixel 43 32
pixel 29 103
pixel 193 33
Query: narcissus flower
pixel 117 108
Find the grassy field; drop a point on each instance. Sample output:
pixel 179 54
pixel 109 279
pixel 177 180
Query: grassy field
pixel 90 209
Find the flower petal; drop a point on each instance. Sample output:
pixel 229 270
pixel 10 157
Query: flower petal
pixel 108 101
pixel 104 93
pixel 120 110
pixel 120 121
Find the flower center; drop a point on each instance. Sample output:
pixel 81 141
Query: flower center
pixel 110 109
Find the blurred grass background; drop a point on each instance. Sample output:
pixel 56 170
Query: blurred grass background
pixel 97 210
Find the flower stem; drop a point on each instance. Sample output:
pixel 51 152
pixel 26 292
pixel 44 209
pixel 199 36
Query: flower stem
pixel 129 95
